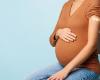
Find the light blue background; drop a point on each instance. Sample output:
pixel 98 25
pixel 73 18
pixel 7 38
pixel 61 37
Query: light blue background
pixel 25 27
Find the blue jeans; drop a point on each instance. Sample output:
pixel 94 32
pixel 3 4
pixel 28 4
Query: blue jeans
pixel 75 74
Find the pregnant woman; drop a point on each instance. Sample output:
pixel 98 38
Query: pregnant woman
pixel 74 38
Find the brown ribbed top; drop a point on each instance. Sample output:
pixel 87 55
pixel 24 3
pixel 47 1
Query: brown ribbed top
pixel 78 22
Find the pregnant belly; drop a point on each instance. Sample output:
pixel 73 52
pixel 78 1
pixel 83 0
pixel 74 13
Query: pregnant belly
pixel 65 51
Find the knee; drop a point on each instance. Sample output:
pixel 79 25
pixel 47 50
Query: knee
pixel 33 76
pixel 38 76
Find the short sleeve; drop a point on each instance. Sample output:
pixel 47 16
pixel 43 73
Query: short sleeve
pixel 93 8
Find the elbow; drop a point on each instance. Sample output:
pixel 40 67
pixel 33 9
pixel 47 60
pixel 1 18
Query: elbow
pixel 92 45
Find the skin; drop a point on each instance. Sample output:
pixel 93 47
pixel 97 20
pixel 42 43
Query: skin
pixel 67 35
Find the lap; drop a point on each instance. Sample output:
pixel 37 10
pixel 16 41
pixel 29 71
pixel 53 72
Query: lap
pixel 82 74
pixel 75 74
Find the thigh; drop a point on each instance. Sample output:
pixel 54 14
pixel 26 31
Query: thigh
pixel 82 74
pixel 45 73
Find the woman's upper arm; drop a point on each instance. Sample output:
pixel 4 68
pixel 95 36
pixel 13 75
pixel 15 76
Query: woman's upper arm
pixel 93 30
pixel 93 15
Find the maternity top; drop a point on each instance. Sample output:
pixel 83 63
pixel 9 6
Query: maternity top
pixel 78 23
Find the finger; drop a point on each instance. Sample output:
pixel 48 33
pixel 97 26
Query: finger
pixel 50 78
pixel 53 78
pixel 68 38
pixel 60 79
pixel 72 34
pixel 64 39
pixel 57 78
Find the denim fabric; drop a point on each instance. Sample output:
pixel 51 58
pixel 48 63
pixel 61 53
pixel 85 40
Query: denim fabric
pixel 75 74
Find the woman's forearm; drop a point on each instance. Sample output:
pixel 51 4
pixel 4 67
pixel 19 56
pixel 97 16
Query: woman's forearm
pixel 87 51
pixel 82 56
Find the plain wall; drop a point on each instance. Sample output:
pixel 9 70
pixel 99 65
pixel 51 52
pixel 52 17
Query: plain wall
pixel 25 27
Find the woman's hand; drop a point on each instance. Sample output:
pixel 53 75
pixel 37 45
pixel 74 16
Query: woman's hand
pixel 60 75
pixel 66 34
